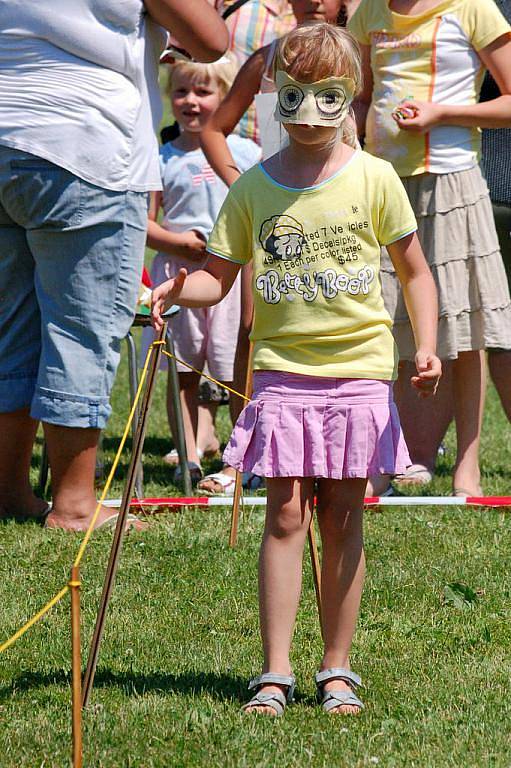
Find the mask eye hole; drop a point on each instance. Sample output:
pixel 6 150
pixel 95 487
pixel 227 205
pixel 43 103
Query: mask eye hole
pixel 330 102
pixel 290 98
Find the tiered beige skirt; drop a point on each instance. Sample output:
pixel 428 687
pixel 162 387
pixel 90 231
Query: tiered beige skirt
pixel 458 236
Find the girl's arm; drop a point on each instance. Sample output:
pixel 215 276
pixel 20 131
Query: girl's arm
pixel 188 244
pixel 196 25
pixel 203 288
pixel 420 296
pixel 229 113
pixel 363 100
pixel 496 113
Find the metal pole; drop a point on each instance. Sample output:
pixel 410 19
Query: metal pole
pixel 115 551
pixel 133 385
pixel 178 418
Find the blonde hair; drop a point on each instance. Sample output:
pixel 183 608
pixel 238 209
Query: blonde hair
pixel 222 72
pixel 312 53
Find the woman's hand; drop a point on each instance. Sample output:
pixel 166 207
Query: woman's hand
pixel 164 296
pixel 429 370
pixel 417 116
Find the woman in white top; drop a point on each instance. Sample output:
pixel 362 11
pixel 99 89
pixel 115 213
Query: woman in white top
pixel 78 105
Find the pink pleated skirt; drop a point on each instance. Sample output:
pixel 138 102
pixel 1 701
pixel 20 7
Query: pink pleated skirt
pixel 307 426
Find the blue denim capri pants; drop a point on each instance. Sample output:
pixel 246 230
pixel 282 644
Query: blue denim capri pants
pixel 71 258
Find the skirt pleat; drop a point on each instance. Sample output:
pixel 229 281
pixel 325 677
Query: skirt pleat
pixel 303 426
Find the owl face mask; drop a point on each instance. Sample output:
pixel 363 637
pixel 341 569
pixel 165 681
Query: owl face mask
pixel 325 102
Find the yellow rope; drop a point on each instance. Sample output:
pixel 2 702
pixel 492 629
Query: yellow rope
pixel 210 378
pixel 34 619
pixel 49 605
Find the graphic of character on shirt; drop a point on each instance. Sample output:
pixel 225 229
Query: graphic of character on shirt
pixel 282 237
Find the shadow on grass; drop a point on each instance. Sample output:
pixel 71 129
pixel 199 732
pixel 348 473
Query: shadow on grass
pixel 223 687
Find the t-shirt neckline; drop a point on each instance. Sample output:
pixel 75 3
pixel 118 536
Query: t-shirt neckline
pixel 414 17
pixel 313 187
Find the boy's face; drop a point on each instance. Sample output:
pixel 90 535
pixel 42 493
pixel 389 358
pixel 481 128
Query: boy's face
pixel 315 10
pixel 193 101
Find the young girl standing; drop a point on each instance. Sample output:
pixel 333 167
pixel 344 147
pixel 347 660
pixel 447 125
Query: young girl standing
pixel 423 63
pixel 191 199
pixel 312 219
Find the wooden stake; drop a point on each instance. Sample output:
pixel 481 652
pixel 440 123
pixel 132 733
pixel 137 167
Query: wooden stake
pixel 233 536
pixel 76 667
pixel 115 551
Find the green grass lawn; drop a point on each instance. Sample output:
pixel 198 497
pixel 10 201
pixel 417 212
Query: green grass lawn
pixel 182 638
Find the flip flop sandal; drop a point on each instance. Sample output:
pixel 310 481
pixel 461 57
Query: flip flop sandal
pixel 226 483
pixel 331 699
pixel 276 701
pixel 172 457
pixel 463 493
pixel 416 474
pixel 110 522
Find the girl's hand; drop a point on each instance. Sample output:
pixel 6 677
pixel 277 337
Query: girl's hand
pixel 192 246
pixel 417 116
pixel 164 296
pixel 429 369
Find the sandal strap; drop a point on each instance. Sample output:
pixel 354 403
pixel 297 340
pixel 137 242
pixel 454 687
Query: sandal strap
pixel 276 701
pixel 334 699
pixel 341 673
pixel 273 678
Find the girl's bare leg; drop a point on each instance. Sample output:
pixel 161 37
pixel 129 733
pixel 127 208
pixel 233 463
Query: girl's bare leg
pixel 340 508
pixel 469 385
pixel 188 394
pixel 288 515
pixel 424 421
pixel 207 440
pixel 499 363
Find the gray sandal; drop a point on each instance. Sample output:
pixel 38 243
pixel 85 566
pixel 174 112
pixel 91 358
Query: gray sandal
pixel 277 701
pixel 331 699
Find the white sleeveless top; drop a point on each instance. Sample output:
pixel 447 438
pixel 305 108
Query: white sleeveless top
pixel 78 87
pixel 273 136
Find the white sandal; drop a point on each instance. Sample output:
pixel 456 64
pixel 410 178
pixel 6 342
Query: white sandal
pixel 226 483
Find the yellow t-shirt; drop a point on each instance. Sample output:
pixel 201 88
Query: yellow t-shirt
pixel 316 258
pixel 428 57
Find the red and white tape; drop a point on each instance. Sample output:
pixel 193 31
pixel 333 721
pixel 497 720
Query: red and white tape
pixel 370 501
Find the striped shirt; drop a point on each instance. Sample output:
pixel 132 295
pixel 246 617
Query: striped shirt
pixel 254 25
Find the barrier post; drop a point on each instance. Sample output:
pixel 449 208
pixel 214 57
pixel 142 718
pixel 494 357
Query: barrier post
pixel 115 552
pixel 76 667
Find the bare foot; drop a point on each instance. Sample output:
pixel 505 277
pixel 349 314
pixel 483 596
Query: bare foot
pixel 80 524
pixel 377 485
pixel 209 451
pixel 22 505
pixel 344 709
pixel 466 484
